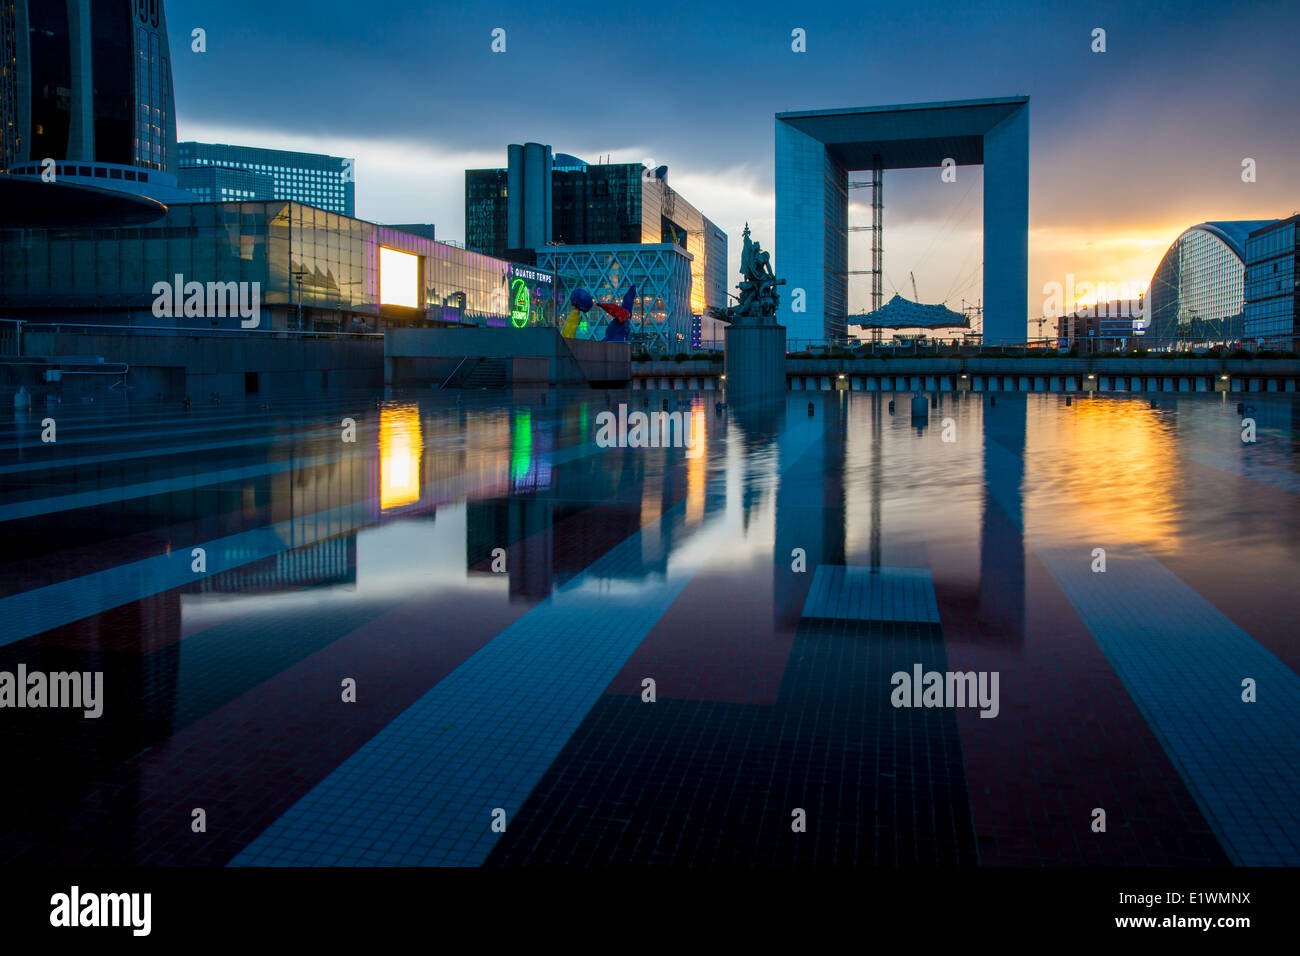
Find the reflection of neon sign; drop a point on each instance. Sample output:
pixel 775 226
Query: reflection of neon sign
pixel 519 303
pixel 528 468
pixel 521 444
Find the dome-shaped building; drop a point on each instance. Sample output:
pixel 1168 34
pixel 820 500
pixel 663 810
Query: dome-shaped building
pixel 1196 293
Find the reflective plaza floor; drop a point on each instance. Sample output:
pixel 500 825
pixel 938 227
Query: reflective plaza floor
pixel 475 636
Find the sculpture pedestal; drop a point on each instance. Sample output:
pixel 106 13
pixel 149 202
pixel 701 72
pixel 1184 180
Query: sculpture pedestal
pixel 755 363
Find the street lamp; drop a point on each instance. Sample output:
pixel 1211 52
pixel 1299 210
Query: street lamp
pixel 349 285
pixel 299 276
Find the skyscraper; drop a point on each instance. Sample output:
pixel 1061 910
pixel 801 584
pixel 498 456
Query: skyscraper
pixel 543 198
pixel 87 81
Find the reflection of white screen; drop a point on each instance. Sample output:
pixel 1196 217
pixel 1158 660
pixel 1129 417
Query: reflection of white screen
pixel 399 278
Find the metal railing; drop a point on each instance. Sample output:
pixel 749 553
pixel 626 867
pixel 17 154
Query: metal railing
pixel 91 328
pixel 956 348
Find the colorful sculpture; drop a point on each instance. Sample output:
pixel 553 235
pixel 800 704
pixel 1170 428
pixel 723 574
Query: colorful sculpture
pixel 580 302
pixel 620 317
pixel 620 314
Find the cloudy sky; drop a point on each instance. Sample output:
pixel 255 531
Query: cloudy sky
pixel 1127 147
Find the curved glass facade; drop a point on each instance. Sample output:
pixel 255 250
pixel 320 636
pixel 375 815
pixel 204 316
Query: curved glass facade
pixel 1197 291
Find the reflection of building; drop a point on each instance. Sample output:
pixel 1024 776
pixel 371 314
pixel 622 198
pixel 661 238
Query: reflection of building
pixel 313 179
pixel 87 81
pixel 322 564
pixel 661 317
pixel 1272 285
pixel 1196 292
pixel 541 198
pixel 561 515
pixel 330 264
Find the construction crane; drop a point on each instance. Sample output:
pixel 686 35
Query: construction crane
pixel 916 297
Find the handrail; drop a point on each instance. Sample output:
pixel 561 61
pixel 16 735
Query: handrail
pixel 29 326
pixel 453 372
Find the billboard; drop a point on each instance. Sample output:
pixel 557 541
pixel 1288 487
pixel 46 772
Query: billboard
pixel 399 278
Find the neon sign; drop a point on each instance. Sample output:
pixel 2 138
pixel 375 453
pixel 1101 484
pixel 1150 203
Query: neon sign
pixel 519 303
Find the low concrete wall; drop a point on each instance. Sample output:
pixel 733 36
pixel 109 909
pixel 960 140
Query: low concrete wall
pixel 602 363
pixel 421 356
pixel 1047 374
pixel 174 366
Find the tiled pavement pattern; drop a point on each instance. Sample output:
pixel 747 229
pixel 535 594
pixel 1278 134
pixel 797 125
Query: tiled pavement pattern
pixel 1069 739
pixel 150 702
pixel 1261 470
pixel 246 761
pixel 424 790
pixel 1184 666
pixel 872 594
pixel 239 743
pixel 691 783
pixel 277 731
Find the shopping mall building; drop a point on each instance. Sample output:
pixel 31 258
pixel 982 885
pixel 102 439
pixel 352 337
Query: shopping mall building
pixel 313 269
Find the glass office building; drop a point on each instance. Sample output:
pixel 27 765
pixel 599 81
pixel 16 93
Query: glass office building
pixel 315 179
pixel 604 204
pixel 225 184
pixel 1197 291
pixel 342 271
pixel 485 211
pixel 661 314
pixel 9 38
pixel 1273 285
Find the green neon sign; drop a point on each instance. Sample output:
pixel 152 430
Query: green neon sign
pixel 519 301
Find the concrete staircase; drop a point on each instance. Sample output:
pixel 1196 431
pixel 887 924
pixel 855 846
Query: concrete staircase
pixel 502 358
pixel 486 373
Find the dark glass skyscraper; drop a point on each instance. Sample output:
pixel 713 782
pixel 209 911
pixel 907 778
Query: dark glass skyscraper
pixel 543 199
pixel 86 80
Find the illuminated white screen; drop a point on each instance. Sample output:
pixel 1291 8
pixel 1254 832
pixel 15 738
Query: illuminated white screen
pixel 399 278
